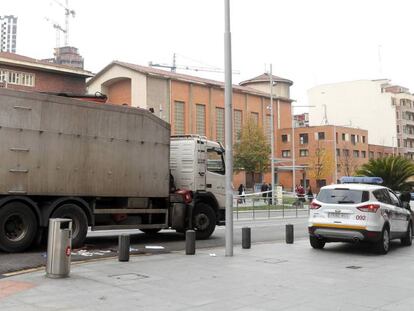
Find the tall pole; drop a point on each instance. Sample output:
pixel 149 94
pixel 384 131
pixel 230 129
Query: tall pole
pixel 293 153
pixel 272 135
pixel 335 156
pixel 228 130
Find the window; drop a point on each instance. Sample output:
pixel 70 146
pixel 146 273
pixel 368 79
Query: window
pixel 320 183
pixel 220 124
pixel 379 154
pixel 179 118
pixel 356 153
pixel 238 123
pixel 255 117
pixel 338 152
pixel 285 153
pixel 201 120
pixel 382 196
pixel 363 139
pixel 353 140
pixel 215 161
pixel 303 139
pixel 17 77
pixel 342 196
pixel 371 154
pixel 363 154
pixel 343 136
pixel 320 136
pixel 285 138
pixel 398 129
pixel 303 152
pixel 345 152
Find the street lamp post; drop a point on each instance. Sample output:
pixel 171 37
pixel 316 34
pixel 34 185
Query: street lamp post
pixel 228 130
pixel 335 156
pixel 272 129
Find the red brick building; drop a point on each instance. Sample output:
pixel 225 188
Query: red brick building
pixel 27 74
pixel 194 105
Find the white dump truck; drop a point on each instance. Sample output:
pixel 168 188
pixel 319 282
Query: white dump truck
pixel 103 166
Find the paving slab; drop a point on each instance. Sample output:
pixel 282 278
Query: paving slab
pixel 269 276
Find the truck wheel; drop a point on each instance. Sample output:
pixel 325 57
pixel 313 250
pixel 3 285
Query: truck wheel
pixel 18 227
pixel 204 221
pixel 79 222
pixel 150 231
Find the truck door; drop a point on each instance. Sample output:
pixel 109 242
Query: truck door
pixel 215 175
pixel 200 165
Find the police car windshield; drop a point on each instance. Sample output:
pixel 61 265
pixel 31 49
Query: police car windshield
pixel 342 196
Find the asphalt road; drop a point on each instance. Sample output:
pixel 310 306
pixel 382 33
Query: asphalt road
pixel 101 244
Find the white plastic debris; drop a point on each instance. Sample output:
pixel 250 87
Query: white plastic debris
pixel 154 247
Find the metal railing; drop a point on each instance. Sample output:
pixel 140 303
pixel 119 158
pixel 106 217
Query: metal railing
pixel 259 206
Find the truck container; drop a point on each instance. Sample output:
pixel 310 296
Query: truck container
pixel 103 166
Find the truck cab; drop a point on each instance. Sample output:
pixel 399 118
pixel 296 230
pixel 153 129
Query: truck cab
pixel 197 164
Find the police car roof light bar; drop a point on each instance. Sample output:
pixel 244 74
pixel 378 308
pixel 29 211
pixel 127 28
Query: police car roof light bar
pixel 361 180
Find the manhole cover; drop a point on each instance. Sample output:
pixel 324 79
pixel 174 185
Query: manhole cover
pixel 354 267
pixel 272 260
pixel 129 276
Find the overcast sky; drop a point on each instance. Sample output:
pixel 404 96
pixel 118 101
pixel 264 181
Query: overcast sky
pixel 310 42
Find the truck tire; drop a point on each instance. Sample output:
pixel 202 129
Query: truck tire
pixel 151 231
pixel 79 222
pixel 204 220
pixel 18 227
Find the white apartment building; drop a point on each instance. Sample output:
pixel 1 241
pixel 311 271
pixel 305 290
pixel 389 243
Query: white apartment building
pixel 385 110
pixel 8 33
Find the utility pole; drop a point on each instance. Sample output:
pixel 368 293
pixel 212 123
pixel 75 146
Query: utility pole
pixel 228 130
pixel 272 135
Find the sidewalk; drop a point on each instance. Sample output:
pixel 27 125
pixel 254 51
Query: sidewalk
pixel 273 276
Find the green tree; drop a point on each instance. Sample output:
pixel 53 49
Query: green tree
pixel 394 170
pixel 252 151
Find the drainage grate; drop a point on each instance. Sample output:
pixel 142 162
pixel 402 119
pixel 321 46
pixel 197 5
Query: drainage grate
pixel 272 260
pixel 354 267
pixel 129 276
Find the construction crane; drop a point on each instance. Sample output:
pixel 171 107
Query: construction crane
pixel 68 12
pixel 173 67
pixel 58 29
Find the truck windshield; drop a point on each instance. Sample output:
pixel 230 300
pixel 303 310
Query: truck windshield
pixel 215 161
pixel 342 196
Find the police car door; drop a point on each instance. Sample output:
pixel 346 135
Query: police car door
pixel 401 215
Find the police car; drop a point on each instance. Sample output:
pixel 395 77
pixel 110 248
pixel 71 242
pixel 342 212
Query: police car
pixel 359 209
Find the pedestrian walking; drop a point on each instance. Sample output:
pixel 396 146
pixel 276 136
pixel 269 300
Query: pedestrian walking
pixel 269 195
pixel 263 189
pixel 242 192
pixel 309 194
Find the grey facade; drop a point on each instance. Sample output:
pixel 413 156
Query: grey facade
pixel 8 28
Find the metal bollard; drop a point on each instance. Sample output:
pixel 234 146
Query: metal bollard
pixel 190 242
pixel 246 237
pixel 59 248
pixel 123 247
pixel 289 234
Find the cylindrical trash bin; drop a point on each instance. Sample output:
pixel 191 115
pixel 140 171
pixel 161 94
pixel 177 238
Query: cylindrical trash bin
pixel 59 248
pixel 289 234
pixel 246 237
